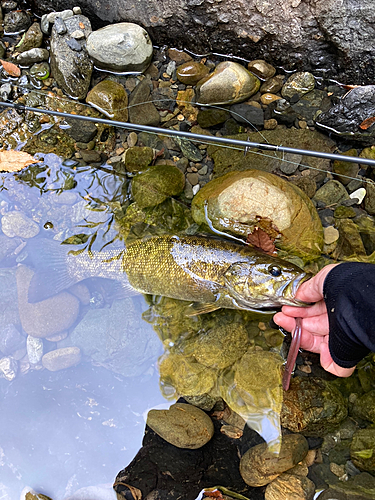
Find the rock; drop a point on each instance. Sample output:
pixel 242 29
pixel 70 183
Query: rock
pixel 81 131
pixel 50 18
pixel 268 98
pixel 247 115
pixel 331 235
pixel 40 71
pixel 32 39
pixel 298 83
pixel 188 149
pixel 350 243
pixel 359 487
pixel 90 156
pixel 34 348
pixel 121 47
pixel 10 339
pixel 16 21
pixel 347 118
pixel 364 407
pixel 164 98
pixel 259 466
pixel 8 368
pixel 221 346
pixel 209 117
pixel 344 170
pixel 262 69
pixel 330 193
pixel 141 109
pixel 137 158
pixel 229 83
pixel 361 450
pixel 273 85
pixel 227 159
pixel 312 406
pixel 60 359
pixel 249 196
pixel 306 184
pixel 311 104
pixel 156 184
pixel 183 425
pixel 114 338
pixel 290 164
pixel 71 69
pixel 111 99
pixel 370 197
pixel 32 56
pixel 191 72
pixel 358 194
pixel 290 487
pixel 16 223
pixel 48 317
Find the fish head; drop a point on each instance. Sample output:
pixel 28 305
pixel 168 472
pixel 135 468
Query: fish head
pixel 264 282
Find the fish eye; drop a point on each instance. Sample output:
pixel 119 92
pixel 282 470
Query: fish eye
pixel 274 270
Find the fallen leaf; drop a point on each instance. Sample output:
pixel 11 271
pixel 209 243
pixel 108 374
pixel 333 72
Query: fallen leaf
pixel 14 161
pixel 262 241
pixel 367 123
pixel 11 68
pixel 82 26
pixel 213 494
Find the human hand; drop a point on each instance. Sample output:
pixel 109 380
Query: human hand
pixel 315 327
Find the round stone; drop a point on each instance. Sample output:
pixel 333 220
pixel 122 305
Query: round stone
pixel 110 98
pixel 298 83
pixel 331 235
pixel 268 98
pixel 262 69
pixel 229 83
pixel 120 47
pixel 183 425
pixel 16 223
pixel 60 359
pixel 191 72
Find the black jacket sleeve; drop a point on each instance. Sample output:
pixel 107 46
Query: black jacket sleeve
pixel 349 294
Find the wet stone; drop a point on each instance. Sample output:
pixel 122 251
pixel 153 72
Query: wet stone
pixel 60 359
pixel 290 487
pixel 110 98
pixel 81 131
pixel 361 450
pixel 8 368
pixel 141 109
pixel 16 21
pixel 261 68
pixel 138 158
pixel 209 117
pixel 331 192
pixel 247 115
pixel 34 348
pixel 40 71
pixel 188 149
pixel 259 466
pixel 60 26
pixel 17 224
pixel 370 197
pixel 190 73
pixel 32 40
pixel 74 44
pixel 298 83
pixel 10 339
pixel 32 56
pixel 290 164
pixel 183 425
pixel 273 85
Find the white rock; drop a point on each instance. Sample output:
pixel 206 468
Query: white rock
pixel 359 194
pixel 34 347
pixel 120 47
pixel 331 235
pixel 15 223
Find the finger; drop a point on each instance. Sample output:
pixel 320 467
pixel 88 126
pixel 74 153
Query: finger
pixel 312 290
pixel 305 312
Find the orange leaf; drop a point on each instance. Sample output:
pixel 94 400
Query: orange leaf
pixel 14 161
pixel 213 494
pixel 262 241
pixel 82 26
pixel 367 123
pixel 11 68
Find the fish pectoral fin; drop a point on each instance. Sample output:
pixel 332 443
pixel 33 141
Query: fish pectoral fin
pixel 197 308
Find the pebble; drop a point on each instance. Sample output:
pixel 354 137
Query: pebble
pixel 270 124
pixel 290 487
pixel 34 348
pixel 32 56
pixel 110 98
pixel 190 73
pixel 268 98
pixel 183 425
pixel 8 368
pixel 16 223
pixel 359 194
pixel 262 69
pixel 62 358
pixel 132 139
pixel 298 83
pixel 330 234
pixel 10 339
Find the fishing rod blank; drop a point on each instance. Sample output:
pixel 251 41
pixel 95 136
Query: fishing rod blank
pixel 194 137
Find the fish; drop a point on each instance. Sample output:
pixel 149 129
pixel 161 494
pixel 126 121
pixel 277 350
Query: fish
pixel 209 273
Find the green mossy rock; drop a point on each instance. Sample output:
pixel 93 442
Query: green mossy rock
pixel 236 201
pixel 183 425
pixel 364 407
pixel 110 98
pixel 156 184
pixel 137 158
pixel 362 450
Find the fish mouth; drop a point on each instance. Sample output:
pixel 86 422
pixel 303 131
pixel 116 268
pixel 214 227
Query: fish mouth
pixel 288 291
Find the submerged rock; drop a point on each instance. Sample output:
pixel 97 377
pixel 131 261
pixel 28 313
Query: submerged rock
pixel 183 425
pixel 239 201
pixel 60 359
pixel 71 69
pixel 111 99
pixel 141 109
pixel 191 72
pixel 229 83
pixel 121 47
pixel 362 449
pixel 259 466
pixel 33 38
pixel 298 83
pixel 290 487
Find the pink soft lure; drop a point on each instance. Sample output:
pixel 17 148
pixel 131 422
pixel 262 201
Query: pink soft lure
pixel 292 355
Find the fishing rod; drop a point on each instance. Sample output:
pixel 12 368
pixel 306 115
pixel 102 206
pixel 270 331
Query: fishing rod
pixel 193 137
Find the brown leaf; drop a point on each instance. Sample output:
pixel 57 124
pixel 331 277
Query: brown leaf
pixel 14 161
pixel 262 241
pixel 11 68
pixel 367 123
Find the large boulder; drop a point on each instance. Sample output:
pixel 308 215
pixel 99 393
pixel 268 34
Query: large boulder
pixel 334 36
pixel 240 201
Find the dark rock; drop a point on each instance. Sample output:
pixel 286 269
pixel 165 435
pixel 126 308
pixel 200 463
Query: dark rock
pixel 81 131
pixel 247 115
pixel 71 68
pixel 16 21
pixel 60 26
pixel 141 109
pixel 33 38
pixel 209 117
pixel 164 98
pixel 346 118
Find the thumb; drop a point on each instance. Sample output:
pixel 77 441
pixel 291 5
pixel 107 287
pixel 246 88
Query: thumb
pixel 312 290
